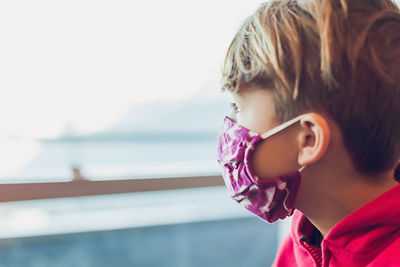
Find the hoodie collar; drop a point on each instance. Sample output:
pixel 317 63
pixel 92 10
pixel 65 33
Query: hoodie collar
pixel 370 223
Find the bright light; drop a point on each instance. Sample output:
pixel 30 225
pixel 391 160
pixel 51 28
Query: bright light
pixel 84 63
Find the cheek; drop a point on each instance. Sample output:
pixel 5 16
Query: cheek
pixel 272 158
pixel 256 121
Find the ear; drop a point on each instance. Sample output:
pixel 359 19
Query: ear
pixel 314 138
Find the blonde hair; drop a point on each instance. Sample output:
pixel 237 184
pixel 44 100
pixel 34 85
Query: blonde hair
pixel 341 57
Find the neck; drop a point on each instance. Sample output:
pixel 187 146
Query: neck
pixel 327 201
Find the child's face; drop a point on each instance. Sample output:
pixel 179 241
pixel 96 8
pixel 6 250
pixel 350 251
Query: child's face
pixel 255 110
pixel 277 154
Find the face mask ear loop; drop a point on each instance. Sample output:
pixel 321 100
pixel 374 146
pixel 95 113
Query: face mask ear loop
pixel 284 201
pixel 287 192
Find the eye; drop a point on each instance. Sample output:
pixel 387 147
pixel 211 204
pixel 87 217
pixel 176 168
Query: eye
pixel 234 107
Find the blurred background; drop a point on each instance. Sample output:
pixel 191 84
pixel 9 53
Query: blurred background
pixel 109 114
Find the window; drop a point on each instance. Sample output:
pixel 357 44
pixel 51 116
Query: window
pixel 112 89
pixel 123 96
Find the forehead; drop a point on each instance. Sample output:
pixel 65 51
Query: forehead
pixel 254 97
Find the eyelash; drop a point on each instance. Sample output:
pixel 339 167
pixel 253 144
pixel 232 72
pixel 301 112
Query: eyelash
pixel 235 107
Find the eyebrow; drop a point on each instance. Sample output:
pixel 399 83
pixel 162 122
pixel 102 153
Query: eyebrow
pixel 237 95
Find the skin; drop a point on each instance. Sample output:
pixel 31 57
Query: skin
pixel 330 187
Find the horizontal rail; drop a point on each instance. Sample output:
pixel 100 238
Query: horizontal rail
pixel 76 188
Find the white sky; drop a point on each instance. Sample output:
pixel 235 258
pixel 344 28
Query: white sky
pixel 86 62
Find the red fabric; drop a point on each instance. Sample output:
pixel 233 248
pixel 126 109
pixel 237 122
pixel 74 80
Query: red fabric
pixel 370 236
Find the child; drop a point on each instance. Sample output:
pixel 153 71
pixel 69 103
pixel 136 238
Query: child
pixel 315 128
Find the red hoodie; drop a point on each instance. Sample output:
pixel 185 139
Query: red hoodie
pixel 370 236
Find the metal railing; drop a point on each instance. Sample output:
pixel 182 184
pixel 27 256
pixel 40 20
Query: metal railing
pixel 81 187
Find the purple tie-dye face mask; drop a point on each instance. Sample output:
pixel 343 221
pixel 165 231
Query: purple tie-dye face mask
pixel 270 199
